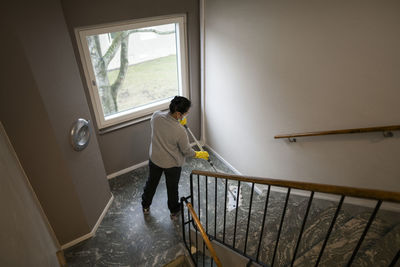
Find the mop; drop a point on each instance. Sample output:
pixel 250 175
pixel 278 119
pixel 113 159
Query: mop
pixel 231 198
pixel 200 147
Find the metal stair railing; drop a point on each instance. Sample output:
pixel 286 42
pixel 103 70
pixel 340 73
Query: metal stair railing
pixel 192 219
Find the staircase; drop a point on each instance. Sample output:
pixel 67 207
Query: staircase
pixel 290 223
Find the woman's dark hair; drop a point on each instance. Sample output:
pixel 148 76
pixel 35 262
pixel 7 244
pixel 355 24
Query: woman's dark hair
pixel 180 104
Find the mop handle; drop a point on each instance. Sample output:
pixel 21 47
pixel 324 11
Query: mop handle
pixel 200 147
pixel 197 142
pixel 209 160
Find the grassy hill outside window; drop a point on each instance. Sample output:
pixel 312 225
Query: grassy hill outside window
pixel 134 68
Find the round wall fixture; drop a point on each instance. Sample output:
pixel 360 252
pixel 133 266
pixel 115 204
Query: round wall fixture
pixel 80 134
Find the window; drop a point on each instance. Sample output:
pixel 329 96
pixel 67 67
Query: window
pixel 135 68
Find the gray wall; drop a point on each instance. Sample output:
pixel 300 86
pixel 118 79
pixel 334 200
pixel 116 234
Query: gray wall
pixel 26 230
pixel 41 96
pixel 277 67
pixel 128 146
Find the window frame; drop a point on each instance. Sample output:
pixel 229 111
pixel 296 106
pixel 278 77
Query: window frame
pixel 143 112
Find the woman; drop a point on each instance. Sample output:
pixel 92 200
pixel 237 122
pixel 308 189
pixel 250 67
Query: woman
pixel 168 149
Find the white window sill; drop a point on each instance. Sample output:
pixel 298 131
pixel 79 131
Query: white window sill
pixel 123 124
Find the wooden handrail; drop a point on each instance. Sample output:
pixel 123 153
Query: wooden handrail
pixel 345 131
pixel 322 188
pixel 204 235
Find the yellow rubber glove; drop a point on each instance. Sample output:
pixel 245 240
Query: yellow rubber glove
pixel 202 155
pixel 183 122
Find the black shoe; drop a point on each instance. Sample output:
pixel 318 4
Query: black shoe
pixel 146 211
pixel 175 215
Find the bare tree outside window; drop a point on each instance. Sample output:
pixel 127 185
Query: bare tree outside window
pixel 134 68
pixel 110 91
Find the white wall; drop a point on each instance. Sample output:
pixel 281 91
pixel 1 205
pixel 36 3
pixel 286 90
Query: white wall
pixel 279 67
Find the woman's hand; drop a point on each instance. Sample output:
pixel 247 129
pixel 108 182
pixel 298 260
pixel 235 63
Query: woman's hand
pixel 202 155
pixel 183 121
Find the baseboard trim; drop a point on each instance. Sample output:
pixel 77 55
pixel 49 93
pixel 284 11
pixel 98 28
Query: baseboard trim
pixel 126 170
pixel 134 167
pixel 91 234
pixel 223 160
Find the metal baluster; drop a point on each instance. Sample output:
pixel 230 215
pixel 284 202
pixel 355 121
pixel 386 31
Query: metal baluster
pixel 378 205
pixel 191 189
pixel 198 206
pixel 198 196
pixel 263 222
pixel 204 253
pixel 190 236
pixel 236 213
pixel 197 249
pixel 183 222
pixel 395 259
pixel 302 227
pixel 280 226
pixel 226 194
pixel 248 220
pixel 215 210
pixel 330 230
pixel 207 205
pixel 206 180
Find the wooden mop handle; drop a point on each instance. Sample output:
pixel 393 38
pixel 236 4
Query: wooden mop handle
pixel 197 142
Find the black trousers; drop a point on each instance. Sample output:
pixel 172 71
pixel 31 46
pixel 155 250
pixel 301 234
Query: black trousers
pixel 172 176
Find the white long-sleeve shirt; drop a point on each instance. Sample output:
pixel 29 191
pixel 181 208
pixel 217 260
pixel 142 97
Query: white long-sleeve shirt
pixel 169 141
